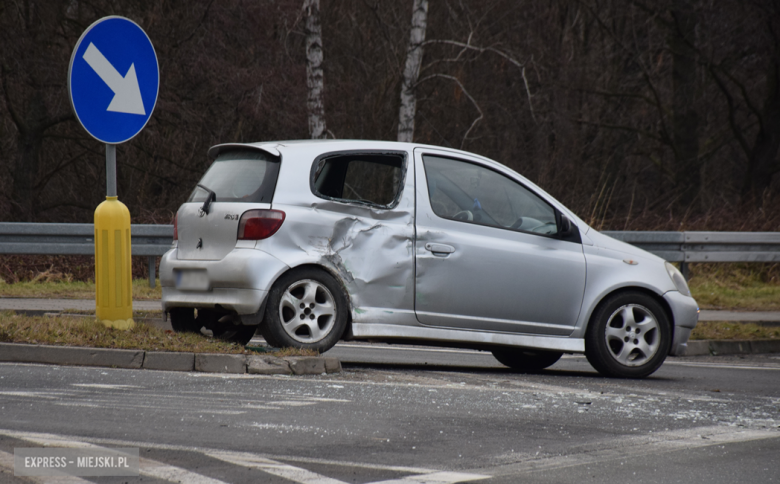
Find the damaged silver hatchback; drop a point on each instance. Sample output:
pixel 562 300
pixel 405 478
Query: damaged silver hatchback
pixel 311 242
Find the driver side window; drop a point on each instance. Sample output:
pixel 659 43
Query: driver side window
pixel 472 193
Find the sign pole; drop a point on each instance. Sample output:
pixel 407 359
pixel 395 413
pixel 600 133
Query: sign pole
pixel 110 170
pixel 113 82
pixel 113 262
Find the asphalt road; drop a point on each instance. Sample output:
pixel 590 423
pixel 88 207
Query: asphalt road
pixel 408 416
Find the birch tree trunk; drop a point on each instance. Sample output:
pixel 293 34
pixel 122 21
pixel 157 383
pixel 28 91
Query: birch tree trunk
pixel 412 71
pixel 314 79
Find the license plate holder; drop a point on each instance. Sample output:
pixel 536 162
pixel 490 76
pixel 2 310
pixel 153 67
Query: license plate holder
pixel 192 280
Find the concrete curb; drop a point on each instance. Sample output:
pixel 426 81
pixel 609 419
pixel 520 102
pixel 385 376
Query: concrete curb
pixel 733 347
pixel 69 355
pixel 169 361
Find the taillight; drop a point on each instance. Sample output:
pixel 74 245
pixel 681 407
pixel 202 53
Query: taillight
pixel 176 226
pixel 259 224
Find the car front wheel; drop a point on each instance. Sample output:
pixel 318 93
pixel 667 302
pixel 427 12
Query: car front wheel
pixel 629 336
pixel 306 309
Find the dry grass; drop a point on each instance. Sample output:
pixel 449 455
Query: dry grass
pixel 728 330
pixel 80 331
pixel 750 286
pixel 62 288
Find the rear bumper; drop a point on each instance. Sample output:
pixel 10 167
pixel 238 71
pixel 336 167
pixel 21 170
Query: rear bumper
pixel 242 301
pixel 685 312
pixel 239 282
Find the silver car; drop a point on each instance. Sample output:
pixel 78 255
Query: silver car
pixel 311 242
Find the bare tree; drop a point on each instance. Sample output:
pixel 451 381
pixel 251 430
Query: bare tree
pixel 314 77
pixel 414 57
pixel 685 122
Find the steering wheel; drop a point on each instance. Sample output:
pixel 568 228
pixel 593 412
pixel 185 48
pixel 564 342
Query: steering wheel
pixel 464 215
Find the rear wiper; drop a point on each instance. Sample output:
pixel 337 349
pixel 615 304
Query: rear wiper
pixel 211 198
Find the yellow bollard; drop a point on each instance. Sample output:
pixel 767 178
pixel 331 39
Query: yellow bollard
pixel 113 276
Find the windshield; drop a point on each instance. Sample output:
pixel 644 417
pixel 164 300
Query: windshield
pixel 239 176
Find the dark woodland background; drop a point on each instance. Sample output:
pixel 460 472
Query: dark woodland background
pixel 638 115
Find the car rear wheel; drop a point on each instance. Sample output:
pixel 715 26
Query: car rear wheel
pixel 234 333
pixel 306 308
pixel 629 336
pixel 183 320
pixel 526 360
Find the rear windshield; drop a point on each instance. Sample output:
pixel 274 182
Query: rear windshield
pixel 239 176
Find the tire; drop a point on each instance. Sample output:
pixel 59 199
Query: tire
pixel 306 308
pixel 526 360
pixel 183 320
pixel 629 336
pixel 234 333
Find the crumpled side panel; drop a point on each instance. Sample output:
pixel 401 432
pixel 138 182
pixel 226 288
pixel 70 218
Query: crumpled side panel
pixel 370 250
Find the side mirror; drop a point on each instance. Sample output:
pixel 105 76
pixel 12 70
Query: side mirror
pixel 564 228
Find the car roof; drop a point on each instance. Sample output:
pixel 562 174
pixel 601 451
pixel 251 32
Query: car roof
pixel 318 147
pixel 278 148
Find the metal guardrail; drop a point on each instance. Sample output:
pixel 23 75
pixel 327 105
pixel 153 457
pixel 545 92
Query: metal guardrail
pixel 151 241
pixel 154 240
pixel 686 247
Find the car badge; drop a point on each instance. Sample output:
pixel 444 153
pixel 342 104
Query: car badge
pixel 202 212
pixel 200 244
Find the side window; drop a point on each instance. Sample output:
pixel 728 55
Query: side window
pixel 472 193
pixel 369 178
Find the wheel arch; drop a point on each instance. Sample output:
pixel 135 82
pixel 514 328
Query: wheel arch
pixel 337 276
pixel 643 290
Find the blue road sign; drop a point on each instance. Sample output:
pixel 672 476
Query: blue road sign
pixel 113 79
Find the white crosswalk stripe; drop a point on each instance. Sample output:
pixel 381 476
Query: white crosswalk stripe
pixel 295 474
pixel 160 470
pixel 7 463
pixel 436 478
pixel 148 467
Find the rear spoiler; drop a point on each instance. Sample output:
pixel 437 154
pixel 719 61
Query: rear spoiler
pixel 269 148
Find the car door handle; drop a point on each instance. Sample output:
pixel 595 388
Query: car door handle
pixel 440 250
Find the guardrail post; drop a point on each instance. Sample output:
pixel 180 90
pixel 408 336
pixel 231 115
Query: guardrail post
pixel 152 261
pixel 683 269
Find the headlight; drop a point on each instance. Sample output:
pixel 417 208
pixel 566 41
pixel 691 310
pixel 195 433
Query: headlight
pixel 677 279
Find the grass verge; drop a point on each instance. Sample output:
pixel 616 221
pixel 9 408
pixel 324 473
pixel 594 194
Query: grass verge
pixel 753 287
pixel 80 331
pixel 73 289
pixel 729 330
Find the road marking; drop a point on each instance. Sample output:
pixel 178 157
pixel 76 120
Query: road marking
pixel 103 385
pixel 148 467
pixel 266 464
pixel 295 474
pixel 167 472
pixel 46 395
pixel 304 476
pixel 436 478
pixel 624 448
pixel 7 462
pixel 721 366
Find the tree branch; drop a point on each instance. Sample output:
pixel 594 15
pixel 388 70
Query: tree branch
pixel 468 46
pixel 20 124
pixel 732 113
pixel 457 81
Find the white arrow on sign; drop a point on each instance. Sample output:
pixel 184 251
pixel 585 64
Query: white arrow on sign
pixel 127 93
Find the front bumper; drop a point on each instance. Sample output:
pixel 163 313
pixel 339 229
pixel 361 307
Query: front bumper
pixel 685 312
pixel 238 282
